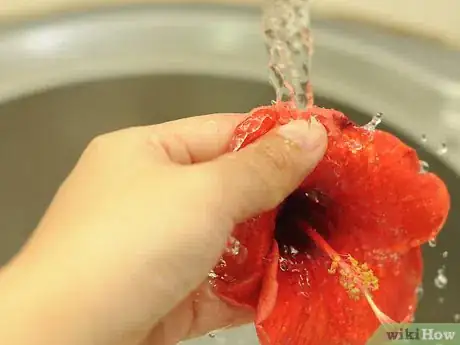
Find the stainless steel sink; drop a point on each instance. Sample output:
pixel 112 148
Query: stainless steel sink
pixel 67 79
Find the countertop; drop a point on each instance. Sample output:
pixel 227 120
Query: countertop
pixel 436 18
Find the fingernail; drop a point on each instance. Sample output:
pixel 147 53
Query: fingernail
pixel 307 134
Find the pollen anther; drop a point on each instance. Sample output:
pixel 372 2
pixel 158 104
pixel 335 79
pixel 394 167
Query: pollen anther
pixel 356 278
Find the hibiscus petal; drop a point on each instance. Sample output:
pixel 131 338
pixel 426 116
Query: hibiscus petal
pixel 375 180
pixel 371 202
pixel 321 312
pixel 237 278
pixel 298 317
pixel 269 291
pixel 260 122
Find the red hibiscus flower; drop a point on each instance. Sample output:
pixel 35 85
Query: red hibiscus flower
pixel 342 254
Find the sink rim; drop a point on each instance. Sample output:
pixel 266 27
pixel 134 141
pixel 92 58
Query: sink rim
pixel 217 40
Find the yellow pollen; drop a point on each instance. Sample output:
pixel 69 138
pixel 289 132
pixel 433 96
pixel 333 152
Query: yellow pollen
pixel 334 264
pixel 355 278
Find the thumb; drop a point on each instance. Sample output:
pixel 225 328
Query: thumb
pixel 260 176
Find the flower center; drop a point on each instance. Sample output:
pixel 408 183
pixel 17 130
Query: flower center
pixel 300 210
pixel 301 226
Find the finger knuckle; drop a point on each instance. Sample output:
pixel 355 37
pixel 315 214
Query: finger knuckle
pixel 121 135
pixel 99 143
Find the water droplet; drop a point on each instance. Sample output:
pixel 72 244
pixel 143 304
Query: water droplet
pixel 424 167
pixel 442 149
pixel 441 300
pixel 313 196
pixel 211 335
pixel 441 280
pixel 354 146
pixel 283 264
pixel 456 317
pixel 419 291
pixel 445 254
pixel 233 246
pixel 290 250
pixel 236 249
pixel 375 121
pixel 424 138
pixel 432 243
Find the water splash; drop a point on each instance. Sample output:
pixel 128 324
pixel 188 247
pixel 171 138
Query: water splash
pixel 424 167
pixel 432 243
pixel 445 254
pixel 423 138
pixel 212 334
pixel 441 280
pixel 375 121
pixel 289 43
pixel 212 274
pixel 442 149
pixel 419 292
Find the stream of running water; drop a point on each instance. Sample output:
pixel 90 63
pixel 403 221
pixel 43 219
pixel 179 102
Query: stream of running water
pixel 289 42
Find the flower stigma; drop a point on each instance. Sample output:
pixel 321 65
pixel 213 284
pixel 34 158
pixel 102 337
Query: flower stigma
pixel 357 279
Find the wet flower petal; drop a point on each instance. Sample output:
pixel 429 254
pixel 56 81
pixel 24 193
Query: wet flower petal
pixel 321 312
pixel 240 282
pixel 384 202
pixel 369 200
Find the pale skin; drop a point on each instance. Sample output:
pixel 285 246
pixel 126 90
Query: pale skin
pixel 122 254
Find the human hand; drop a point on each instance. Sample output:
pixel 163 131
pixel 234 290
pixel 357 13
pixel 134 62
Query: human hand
pixel 123 252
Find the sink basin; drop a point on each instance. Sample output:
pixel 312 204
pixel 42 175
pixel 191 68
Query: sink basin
pixel 67 79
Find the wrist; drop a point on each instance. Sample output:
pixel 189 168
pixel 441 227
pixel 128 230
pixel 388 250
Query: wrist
pixel 59 296
pixel 22 316
pixel 35 307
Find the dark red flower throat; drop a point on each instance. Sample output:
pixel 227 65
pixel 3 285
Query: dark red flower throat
pixel 300 210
